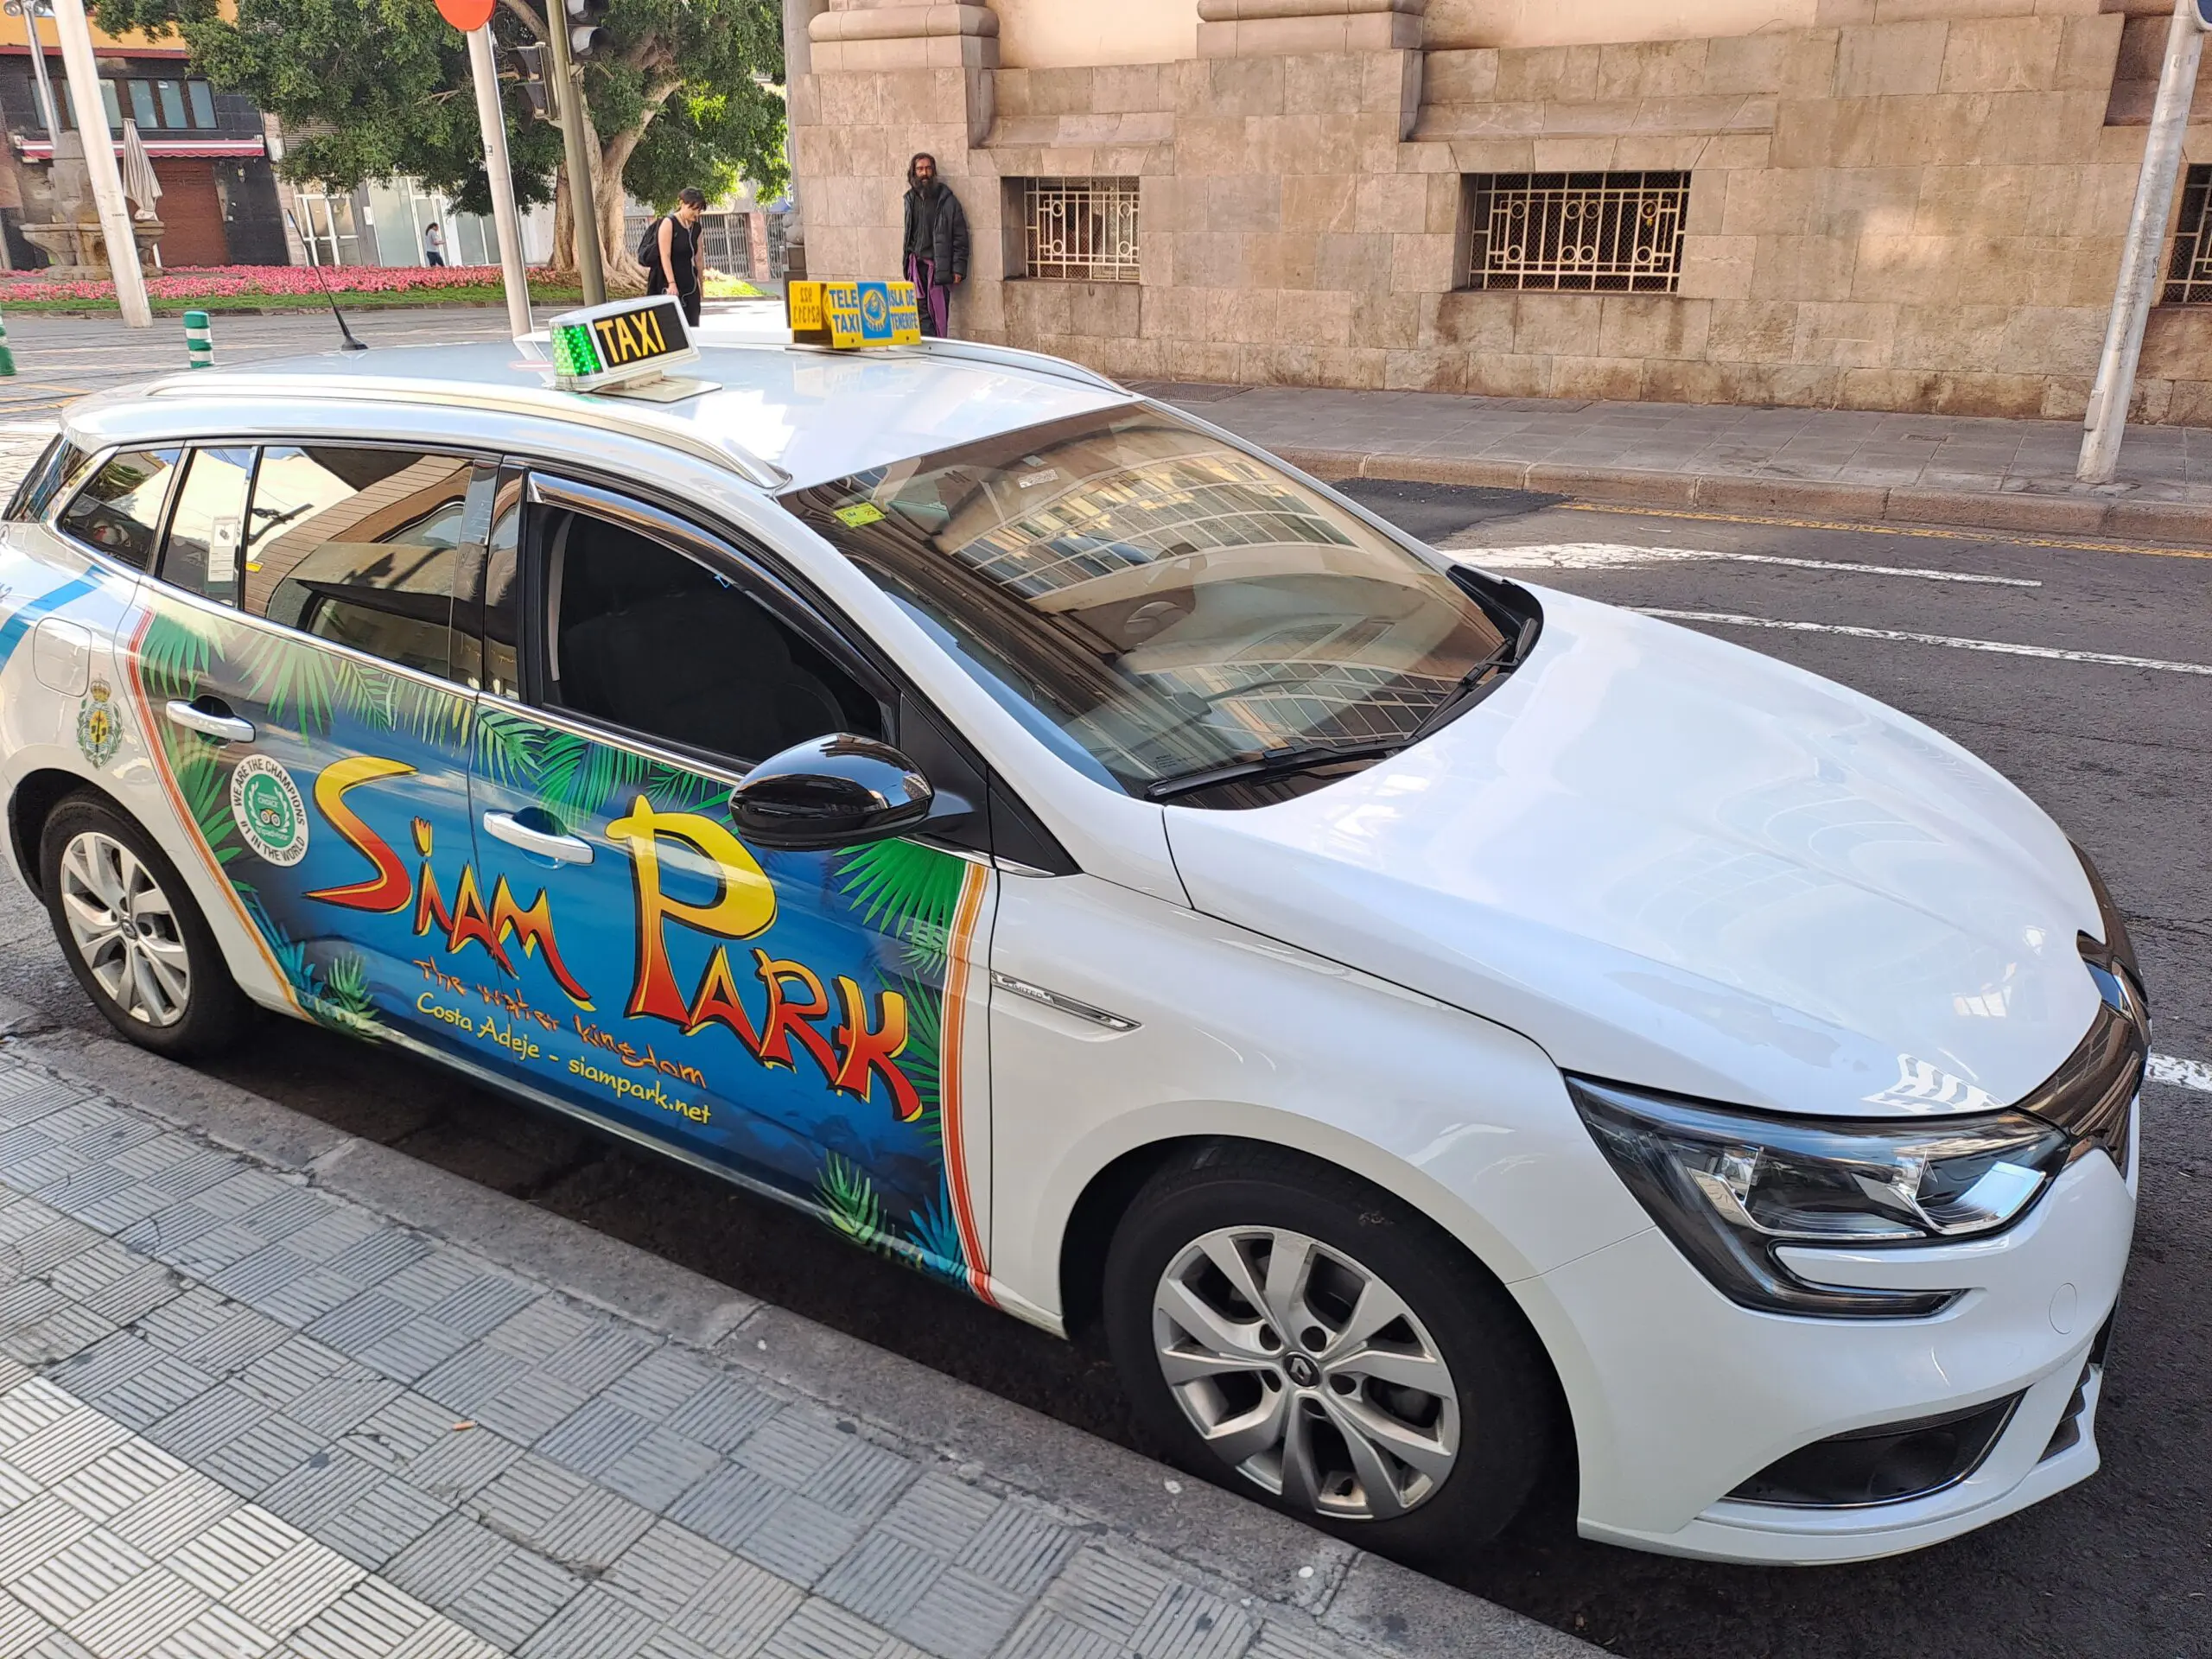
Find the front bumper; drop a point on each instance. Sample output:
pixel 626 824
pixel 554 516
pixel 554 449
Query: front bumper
pixel 1679 1395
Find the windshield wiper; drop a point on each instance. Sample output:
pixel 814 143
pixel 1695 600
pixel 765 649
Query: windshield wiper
pixel 1477 684
pixel 1283 762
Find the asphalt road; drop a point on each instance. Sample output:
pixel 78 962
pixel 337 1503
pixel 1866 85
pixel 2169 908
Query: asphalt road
pixel 2120 754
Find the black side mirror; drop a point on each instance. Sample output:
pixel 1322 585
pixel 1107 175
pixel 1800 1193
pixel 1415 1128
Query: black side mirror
pixel 835 792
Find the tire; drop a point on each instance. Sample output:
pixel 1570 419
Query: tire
pixel 133 934
pixel 1475 1444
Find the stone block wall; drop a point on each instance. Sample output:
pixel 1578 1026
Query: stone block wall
pixel 1918 214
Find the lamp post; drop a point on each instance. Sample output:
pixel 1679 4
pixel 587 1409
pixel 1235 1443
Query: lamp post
pixel 30 11
pixel 568 81
pixel 2106 421
pixel 106 178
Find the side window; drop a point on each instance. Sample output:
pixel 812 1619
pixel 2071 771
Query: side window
pixel 208 529
pixel 361 547
pixel 43 483
pixel 641 636
pixel 118 511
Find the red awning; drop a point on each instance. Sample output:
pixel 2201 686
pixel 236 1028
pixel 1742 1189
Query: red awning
pixel 41 149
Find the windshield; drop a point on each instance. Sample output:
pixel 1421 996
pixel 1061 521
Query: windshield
pixel 1157 604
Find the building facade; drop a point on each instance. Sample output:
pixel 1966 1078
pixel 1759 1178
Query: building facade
pixel 218 203
pixel 1879 204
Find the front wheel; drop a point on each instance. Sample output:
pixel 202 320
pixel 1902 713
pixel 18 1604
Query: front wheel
pixel 1284 1328
pixel 132 934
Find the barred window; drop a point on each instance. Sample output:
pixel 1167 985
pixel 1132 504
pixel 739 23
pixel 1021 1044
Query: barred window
pixel 1610 232
pixel 1078 230
pixel 2189 279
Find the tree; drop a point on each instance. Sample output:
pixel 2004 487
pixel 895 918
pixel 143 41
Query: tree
pixel 677 92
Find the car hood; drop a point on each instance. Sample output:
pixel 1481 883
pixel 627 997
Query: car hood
pixel 1676 863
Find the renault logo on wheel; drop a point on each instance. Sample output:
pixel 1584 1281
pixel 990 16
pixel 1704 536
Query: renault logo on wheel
pixel 1303 1371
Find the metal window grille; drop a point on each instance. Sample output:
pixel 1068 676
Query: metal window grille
pixel 2189 279
pixel 1607 232
pixel 1080 230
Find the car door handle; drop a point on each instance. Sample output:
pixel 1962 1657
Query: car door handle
pixel 224 728
pixel 561 850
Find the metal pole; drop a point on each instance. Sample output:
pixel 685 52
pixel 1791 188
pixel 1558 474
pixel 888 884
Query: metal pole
pixel 106 178
pixel 2106 422
pixel 583 199
pixel 31 11
pixel 491 114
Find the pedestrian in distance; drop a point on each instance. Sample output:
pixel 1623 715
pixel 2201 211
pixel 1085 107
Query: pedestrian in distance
pixel 434 245
pixel 936 247
pixel 669 252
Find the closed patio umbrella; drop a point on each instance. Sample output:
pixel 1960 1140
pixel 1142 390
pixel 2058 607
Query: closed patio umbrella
pixel 138 180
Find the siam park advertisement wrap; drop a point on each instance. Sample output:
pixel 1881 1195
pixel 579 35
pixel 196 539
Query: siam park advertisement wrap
pixel 790 1019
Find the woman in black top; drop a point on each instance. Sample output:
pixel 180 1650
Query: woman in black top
pixel 671 255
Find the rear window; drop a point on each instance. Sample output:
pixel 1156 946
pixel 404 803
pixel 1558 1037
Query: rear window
pixel 35 496
pixel 118 511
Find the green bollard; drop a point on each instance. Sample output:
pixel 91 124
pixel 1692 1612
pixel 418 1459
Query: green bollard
pixel 198 344
pixel 7 357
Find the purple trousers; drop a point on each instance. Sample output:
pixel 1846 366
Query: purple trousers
pixel 933 299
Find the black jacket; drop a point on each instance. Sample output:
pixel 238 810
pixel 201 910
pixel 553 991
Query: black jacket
pixel 948 250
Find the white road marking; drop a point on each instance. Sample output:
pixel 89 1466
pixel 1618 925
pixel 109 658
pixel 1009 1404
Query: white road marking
pixel 2001 647
pixel 2187 1074
pixel 1613 555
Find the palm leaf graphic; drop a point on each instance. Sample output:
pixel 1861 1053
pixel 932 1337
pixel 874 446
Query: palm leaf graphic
pixel 345 1002
pixel 206 788
pixel 577 778
pixel 936 1239
pixel 175 655
pixel 309 686
pixel 500 744
pixel 921 1058
pixel 431 714
pixel 909 890
pixel 848 1201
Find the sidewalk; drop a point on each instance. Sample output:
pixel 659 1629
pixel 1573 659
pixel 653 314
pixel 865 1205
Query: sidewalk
pixel 1987 474
pixel 269 1389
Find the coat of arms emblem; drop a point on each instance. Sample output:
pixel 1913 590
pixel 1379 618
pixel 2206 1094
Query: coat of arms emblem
pixel 99 724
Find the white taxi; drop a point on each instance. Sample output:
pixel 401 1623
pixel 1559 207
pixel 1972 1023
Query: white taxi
pixel 1426 1025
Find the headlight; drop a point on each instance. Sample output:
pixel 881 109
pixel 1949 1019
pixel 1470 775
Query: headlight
pixel 1732 1187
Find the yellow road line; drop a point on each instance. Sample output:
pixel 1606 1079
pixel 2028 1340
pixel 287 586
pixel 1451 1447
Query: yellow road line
pixel 1878 528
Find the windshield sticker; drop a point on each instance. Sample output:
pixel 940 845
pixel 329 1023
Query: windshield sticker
pixel 795 1018
pixel 266 806
pixel 860 513
pixel 99 725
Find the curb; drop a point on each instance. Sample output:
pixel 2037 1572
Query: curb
pixel 2009 510
pixel 1347 1591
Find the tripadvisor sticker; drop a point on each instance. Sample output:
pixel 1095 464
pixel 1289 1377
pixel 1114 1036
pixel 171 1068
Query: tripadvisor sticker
pixel 266 806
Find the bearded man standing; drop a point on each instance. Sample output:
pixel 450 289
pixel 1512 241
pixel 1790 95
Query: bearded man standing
pixel 936 247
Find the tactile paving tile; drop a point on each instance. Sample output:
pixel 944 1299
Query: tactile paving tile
pixel 456 1463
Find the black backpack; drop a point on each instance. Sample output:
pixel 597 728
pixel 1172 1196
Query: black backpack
pixel 649 246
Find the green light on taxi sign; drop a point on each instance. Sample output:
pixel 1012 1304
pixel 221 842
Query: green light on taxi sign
pixel 626 342
pixel 574 354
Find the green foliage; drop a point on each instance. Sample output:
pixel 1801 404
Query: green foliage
pixel 370 88
pixel 909 890
pixel 311 686
pixel 342 999
pixel 576 779
pixel 206 791
pixel 936 1239
pixel 175 655
pixel 848 1201
pixel 922 1058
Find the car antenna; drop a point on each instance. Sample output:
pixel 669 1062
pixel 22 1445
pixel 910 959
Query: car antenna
pixel 351 344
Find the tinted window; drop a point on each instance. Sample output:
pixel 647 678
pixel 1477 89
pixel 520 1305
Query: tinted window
pixel 208 529
pixel 120 509
pixel 36 495
pixel 1154 603
pixel 359 547
pixel 641 636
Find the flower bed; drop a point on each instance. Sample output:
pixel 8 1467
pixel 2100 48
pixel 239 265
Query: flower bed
pixel 246 282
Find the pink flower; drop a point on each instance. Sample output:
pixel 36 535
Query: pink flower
pixel 227 282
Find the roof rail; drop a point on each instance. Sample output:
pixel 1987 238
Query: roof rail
pixel 1013 356
pixel 577 408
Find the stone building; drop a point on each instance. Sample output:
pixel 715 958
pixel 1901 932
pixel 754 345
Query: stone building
pixel 1879 204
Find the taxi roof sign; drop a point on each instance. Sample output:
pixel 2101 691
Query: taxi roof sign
pixel 622 343
pixel 848 315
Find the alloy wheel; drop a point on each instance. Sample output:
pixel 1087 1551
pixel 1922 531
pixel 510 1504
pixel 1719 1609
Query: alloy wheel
pixel 1305 1373
pixel 123 926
